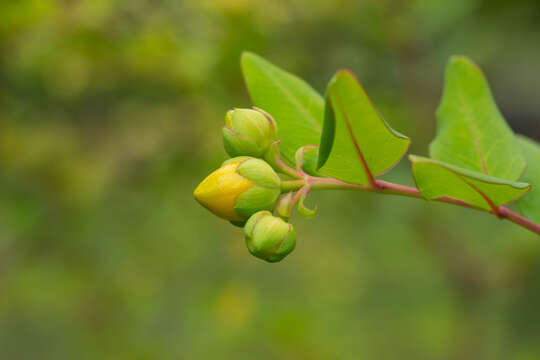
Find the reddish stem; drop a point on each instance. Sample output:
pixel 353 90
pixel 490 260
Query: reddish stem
pixel 386 187
pixel 514 217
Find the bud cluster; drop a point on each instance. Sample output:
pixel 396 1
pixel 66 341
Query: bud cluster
pixel 246 189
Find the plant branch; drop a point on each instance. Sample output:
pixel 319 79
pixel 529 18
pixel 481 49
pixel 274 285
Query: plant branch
pixel 291 185
pixel 385 187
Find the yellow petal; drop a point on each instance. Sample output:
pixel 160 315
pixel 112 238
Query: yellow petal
pixel 218 192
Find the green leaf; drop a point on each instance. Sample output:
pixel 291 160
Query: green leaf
pixel 471 132
pixel 297 108
pixel 529 206
pixel 356 143
pixel 436 179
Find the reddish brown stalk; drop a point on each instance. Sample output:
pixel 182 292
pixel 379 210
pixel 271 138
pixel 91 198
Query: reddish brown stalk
pixel 506 213
pixel 386 187
pixel 502 212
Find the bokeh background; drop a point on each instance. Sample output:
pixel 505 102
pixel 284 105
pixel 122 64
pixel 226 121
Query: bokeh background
pixel 110 114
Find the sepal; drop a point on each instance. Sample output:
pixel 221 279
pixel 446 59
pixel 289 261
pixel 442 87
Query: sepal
pixel 303 209
pixel 284 207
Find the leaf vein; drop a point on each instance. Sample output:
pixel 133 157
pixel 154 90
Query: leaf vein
pixel 470 124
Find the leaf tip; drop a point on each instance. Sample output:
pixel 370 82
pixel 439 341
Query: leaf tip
pixel 458 58
pixel 462 61
pixel 345 72
pixel 245 56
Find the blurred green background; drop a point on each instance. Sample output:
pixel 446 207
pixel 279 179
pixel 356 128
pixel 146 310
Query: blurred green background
pixel 110 114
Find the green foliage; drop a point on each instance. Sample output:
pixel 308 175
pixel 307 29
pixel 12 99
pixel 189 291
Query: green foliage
pixel 475 157
pixel 296 107
pixel 471 132
pixel 529 205
pixel 437 179
pixel 357 143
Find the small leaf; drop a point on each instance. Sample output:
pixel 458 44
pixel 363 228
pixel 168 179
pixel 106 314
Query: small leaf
pixel 471 132
pixel 303 209
pixel 297 108
pixel 436 179
pixel 529 205
pixel 284 206
pixel 356 144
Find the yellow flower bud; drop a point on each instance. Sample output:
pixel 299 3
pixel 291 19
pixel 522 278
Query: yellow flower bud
pixel 241 187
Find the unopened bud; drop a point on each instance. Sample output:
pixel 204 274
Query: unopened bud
pixel 248 132
pixel 269 237
pixel 239 188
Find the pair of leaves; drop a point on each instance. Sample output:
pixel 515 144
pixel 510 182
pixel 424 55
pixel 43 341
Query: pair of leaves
pixel 356 144
pixel 475 156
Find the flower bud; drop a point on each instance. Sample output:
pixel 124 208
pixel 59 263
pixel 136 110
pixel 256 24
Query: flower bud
pixel 239 188
pixel 248 132
pixel 269 237
pixel 307 158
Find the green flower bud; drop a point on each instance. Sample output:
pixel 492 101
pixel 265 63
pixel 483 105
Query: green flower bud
pixel 308 156
pixel 239 188
pixel 268 237
pixel 248 132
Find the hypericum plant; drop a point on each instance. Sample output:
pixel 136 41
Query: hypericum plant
pixel 302 142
